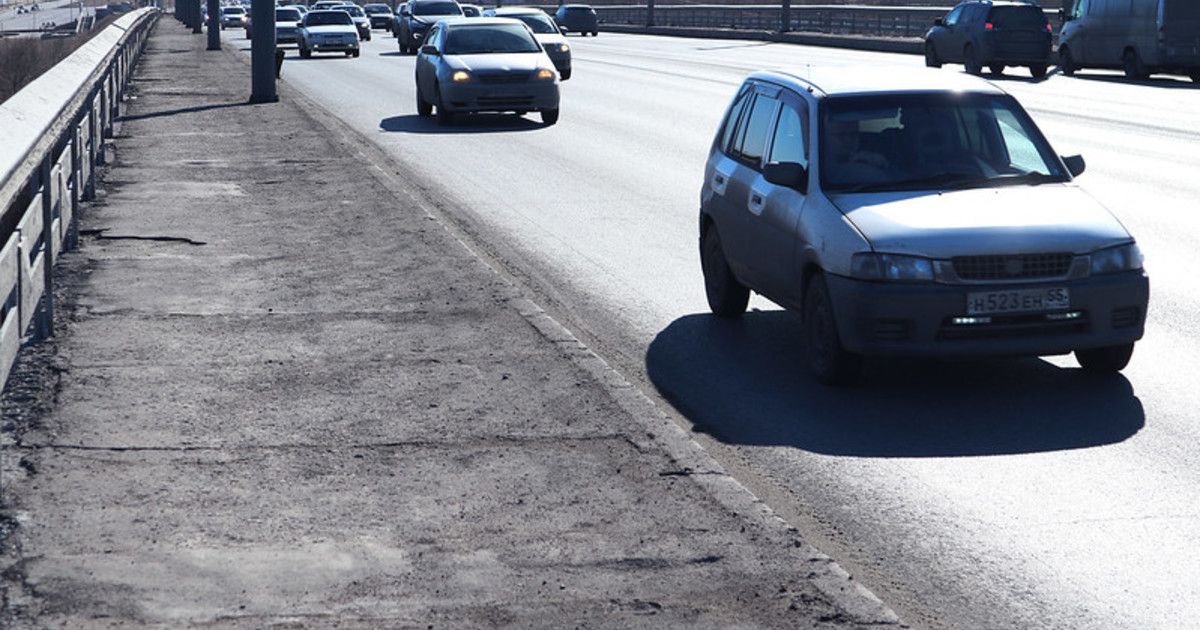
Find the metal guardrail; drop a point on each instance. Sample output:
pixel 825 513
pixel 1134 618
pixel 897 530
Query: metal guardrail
pixel 54 131
pixel 896 22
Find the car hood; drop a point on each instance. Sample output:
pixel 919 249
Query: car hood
pixel 514 62
pixel 359 19
pixel 429 20
pixel 332 29
pixel 1020 219
pixel 549 38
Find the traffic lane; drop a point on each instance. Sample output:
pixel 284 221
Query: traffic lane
pixel 643 112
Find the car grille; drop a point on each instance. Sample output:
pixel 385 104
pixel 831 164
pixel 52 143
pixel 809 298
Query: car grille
pixel 505 101
pixel 1017 267
pixel 503 78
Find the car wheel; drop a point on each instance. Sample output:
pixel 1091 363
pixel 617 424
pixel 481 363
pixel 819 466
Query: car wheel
pixel 996 69
pixel 974 66
pixel 1108 360
pixel 356 53
pixel 931 58
pixel 444 116
pixel 1134 67
pixel 726 296
pixel 595 33
pixel 1066 62
pixel 349 53
pixel 563 76
pixel 829 362
pixel 1194 75
pixel 1038 72
pixel 549 116
pixel 424 107
pixel 305 53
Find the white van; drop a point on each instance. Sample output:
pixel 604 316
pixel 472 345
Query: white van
pixel 1142 37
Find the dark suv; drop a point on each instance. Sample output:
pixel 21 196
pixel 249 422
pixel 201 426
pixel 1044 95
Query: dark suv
pixel 414 18
pixel 992 34
pixel 579 18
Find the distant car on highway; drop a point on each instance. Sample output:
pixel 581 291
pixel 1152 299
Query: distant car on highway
pixel 232 17
pixel 380 15
pixel 361 21
pixel 546 32
pixel 1141 37
pixel 299 7
pixel 482 64
pixel 471 10
pixel 912 213
pixel 329 30
pixel 578 18
pixel 983 33
pixel 325 5
pixel 287 25
pixel 417 16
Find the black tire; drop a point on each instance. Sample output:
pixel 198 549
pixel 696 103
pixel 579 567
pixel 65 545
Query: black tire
pixel 424 107
pixel 563 76
pixel 931 58
pixel 356 53
pixel 1038 72
pixel 1134 67
pixel 996 69
pixel 349 53
pixel 1194 75
pixel 1066 62
pixel 971 61
pixel 726 296
pixel 445 117
pixel 595 33
pixel 1108 360
pixel 549 116
pixel 305 53
pixel 829 362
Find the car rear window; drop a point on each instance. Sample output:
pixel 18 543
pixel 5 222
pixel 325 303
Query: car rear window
pixel 287 15
pixel 538 23
pixel 1017 17
pixel 436 8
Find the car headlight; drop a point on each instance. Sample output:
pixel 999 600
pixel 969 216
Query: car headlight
pixel 545 74
pixel 563 47
pixel 1117 259
pixel 891 267
pixel 460 76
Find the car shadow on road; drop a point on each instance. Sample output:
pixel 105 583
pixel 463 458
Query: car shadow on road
pixel 471 123
pixel 744 382
pixel 1177 83
pixel 394 53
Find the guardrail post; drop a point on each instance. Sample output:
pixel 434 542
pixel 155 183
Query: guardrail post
pixel 649 13
pixel 43 327
pixel 69 237
pixel 785 16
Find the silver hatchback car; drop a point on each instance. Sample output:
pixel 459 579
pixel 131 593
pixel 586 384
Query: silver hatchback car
pixel 912 213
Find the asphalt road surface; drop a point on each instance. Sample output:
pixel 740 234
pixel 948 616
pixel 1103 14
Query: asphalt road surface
pixel 1001 493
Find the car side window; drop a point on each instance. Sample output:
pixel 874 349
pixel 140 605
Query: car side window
pixel 790 143
pixel 731 123
pixel 759 124
pixel 953 17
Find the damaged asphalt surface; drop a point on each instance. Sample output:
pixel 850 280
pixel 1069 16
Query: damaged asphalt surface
pixel 282 393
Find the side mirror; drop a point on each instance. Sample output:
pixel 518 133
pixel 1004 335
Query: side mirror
pixel 789 174
pixel 1075 164
pixel 429 49
pixel 939 22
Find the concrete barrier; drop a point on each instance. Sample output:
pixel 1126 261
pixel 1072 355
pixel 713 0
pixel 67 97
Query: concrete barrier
pixel 54 134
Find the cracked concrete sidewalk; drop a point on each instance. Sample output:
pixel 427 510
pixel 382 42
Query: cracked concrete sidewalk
pixel 282 395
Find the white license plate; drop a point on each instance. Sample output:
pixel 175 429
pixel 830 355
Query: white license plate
pixel 1018 301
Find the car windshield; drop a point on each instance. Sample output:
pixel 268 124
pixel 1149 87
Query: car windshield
pixel 377 8
pixel 233 11
pixel 325 18
pixel 287 15
pixel 1018 18
pixel 436 8
pixel 922 141
pixel 539 24
pixel 490 38
pixel 354 11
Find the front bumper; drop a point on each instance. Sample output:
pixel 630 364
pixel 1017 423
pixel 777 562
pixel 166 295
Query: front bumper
pixel 475 97
pixel 381 22
pixel 877 318
pixel 287 37
pixel 315 46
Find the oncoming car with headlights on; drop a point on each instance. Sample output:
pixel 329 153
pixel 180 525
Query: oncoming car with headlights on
pixel 546 32
pixel 470 65
pixel 912 213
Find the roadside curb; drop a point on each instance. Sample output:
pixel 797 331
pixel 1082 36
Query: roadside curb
pixel 692 460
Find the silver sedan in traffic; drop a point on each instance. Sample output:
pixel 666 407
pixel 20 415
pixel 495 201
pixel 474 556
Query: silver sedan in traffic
pixel 485 65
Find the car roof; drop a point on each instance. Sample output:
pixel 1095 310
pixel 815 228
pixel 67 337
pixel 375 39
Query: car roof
pixel 480 21
pixel 518 11
pixel 847 80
